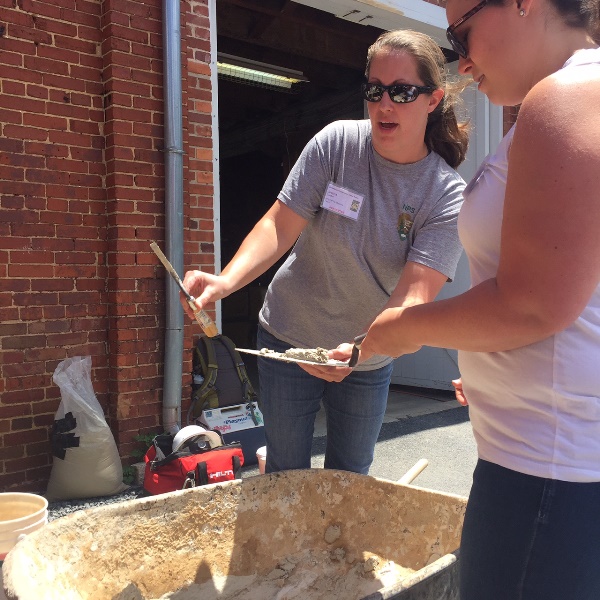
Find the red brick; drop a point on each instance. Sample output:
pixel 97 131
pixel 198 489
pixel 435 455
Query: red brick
pixel 25 33
pixel 32 148
pixel 59 54
pixel 36 91
pixel 11 452
pixel 65 83
pixel 70 271
pixel 25 133
pixel 89 17
pixel 12 116
pixel 45 121
pixel 30 270
pixel 13 173
pixel 10 329
pixel 13 87
pixel 18 465
pixel 54 312
pixel 39 176
pixel 133 35
pixel 51 285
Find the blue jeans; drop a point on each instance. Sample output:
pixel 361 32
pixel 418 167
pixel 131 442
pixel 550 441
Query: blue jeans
pixel 290 399
pixel 528 538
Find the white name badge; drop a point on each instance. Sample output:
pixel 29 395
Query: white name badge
pixel 342 201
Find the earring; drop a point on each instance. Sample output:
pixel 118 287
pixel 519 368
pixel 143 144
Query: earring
pixel 522 12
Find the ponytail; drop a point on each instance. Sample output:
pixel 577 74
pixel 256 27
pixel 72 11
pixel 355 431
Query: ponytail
pixel 595 21
pixel 444 134
pixel 583 14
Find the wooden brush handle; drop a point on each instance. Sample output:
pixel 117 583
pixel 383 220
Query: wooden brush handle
pixel 208 325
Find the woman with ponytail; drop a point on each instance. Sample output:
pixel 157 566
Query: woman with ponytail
pixel 528 330
pixel 370 209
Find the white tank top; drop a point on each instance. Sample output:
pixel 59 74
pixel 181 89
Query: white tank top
pixel 535 409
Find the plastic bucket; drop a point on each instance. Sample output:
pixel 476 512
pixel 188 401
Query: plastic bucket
pixel 20 514
pixel 261 455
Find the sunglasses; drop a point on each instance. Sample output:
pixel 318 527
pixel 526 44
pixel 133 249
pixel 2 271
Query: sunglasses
pixel 461 47
pixel 401 93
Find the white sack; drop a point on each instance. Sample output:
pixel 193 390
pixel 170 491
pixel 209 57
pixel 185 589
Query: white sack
pixel 94 467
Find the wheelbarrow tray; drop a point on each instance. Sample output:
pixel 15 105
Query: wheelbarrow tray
pixel 245 531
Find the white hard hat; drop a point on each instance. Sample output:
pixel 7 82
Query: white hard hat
pixel 196 434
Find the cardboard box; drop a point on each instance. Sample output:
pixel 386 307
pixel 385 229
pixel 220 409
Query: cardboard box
pixel 236 425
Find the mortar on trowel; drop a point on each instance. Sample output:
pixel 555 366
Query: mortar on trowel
pixel 313 534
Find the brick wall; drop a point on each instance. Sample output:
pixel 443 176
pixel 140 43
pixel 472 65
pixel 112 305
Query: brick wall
pixel 82 196
pixel 81 160
pixel 53 219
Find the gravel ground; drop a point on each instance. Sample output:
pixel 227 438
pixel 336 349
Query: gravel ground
pixel 61 508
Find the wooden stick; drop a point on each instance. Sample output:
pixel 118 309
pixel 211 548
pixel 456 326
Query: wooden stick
pixel 208 325
pixel 413 471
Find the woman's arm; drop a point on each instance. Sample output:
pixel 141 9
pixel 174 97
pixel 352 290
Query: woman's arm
pixel 417 284
pixel 550 253
pixel 269 240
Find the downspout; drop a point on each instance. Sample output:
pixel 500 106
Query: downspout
pixel 212 19
pixel 173 141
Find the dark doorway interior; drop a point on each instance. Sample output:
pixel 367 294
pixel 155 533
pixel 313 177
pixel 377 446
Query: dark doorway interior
pixel 262 131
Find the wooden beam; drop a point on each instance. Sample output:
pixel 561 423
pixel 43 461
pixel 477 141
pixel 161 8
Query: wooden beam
pixel 317 38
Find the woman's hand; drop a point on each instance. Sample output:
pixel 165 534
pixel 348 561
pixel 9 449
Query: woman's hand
pixel 204 287
pixel 385 336
pixel 269 240
pixel 458 391
pixel 341 353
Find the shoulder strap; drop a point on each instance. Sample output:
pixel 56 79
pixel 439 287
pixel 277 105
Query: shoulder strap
pixel 249 395
pixel 210 372
pixel 202 473
pixel 237 466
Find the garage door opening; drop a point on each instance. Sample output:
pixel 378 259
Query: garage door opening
pixel 263 127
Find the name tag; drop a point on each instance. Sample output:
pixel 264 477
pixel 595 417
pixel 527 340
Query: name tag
pixel 342 201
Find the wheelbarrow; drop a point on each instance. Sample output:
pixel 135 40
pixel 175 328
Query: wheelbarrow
pixel 314 534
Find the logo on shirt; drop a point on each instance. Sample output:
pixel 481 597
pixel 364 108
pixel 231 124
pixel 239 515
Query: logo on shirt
pixel 405 222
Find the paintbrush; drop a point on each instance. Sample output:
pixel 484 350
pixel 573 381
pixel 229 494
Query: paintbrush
pixel 207 324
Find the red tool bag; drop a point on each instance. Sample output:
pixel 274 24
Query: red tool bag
pixel 167 471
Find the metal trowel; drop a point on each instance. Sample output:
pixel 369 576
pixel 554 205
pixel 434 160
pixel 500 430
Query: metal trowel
pixel 358 340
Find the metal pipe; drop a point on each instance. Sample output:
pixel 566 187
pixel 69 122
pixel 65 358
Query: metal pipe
pixel 212 20
pixel 173 140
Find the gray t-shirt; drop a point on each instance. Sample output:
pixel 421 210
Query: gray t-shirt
pixel 341 271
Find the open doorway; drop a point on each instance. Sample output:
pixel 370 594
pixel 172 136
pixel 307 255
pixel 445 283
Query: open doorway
pixel 263 127
pixel 262 131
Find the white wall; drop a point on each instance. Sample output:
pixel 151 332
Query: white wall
pixel 389 14
pixel 436 367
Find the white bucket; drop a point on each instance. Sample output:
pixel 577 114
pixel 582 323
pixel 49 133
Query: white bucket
pixel 20 514
pixel 261 455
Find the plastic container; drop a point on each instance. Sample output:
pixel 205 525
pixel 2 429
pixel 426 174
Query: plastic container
pixel 261 455
pixel 20 514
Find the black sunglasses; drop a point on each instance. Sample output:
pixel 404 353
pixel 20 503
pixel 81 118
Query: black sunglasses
pixel 401 93
pixel 461 47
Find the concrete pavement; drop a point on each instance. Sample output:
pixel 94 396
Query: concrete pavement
pixel 419 423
